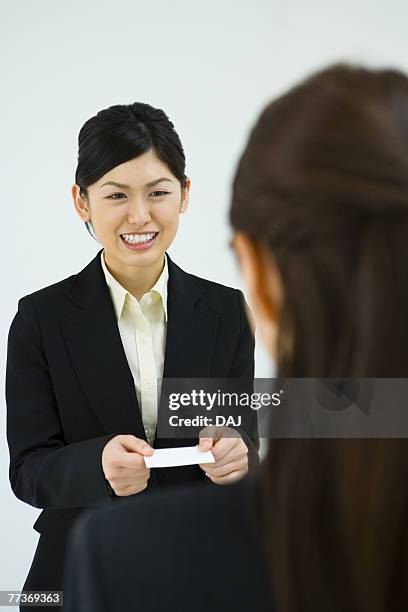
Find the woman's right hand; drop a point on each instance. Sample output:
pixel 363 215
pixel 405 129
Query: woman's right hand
pixel 124 466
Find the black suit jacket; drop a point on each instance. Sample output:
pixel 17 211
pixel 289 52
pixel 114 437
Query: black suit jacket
pixel 69 388
pixel 194 549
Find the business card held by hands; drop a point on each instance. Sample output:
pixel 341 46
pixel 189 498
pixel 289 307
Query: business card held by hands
pixel 173 457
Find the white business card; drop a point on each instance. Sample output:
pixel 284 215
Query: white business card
pixel 172 457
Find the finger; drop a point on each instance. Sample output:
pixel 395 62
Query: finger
pixel 224 470
pixel 130 479
pixel 224 446
pixel 131 489
pixel 209 436
pixel 230 479
pixel 137 478
pixel 205 444
pixel 237 451
pixel 137 445
pixel 130 459
pixel 133 461
pixel 204 466
pixel 235 454
pixel 124 460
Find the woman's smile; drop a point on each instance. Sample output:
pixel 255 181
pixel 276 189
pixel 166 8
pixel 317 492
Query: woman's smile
pixel 139 241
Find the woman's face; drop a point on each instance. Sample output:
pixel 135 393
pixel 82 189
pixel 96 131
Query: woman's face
pixel 138 198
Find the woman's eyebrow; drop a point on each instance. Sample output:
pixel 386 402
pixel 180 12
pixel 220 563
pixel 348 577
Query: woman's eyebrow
pixel 123 186
pixel 159 180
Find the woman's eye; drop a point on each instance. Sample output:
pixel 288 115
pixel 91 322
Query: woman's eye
pixel 117 194
pixel 159 193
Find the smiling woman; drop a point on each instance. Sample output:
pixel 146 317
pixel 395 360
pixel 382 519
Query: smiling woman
pixel 143 157
pixel 140 218
pixel 87 354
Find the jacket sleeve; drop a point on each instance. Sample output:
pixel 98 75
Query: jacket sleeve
pixel 44 471
pixel 243 366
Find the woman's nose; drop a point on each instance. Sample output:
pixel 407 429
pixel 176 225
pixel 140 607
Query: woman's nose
pixel 138 212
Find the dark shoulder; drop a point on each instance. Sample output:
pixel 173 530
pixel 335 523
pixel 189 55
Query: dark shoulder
pixel 222 298
pixel 50 290
pixel 46 299
pixel 43 305
pixel 49 295
pixel 202 282
pixel 213 286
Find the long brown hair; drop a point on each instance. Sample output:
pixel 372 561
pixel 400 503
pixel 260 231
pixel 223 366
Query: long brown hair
pixel 323 182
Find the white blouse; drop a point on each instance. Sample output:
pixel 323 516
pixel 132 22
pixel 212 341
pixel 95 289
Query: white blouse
pixel 143 326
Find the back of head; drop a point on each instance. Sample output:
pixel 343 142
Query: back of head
pixel 323 182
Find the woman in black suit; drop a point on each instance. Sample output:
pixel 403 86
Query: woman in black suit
pixel 86 352
pixel 320 214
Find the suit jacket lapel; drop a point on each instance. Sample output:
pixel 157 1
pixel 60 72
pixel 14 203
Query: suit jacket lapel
pixel 98 356
pixel 191 332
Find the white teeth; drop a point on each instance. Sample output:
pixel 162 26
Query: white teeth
pixel 136 238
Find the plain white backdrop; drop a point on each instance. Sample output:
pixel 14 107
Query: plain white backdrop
pixel 212 67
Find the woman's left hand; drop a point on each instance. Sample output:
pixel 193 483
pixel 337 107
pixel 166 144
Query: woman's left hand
pixel 230 454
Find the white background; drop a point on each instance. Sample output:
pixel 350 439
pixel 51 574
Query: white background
pixel 211 66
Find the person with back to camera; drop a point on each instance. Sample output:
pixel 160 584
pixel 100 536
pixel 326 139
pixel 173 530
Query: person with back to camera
pixel 320 218
pixel 86 353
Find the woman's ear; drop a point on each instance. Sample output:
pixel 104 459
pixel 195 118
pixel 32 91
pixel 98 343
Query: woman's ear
pixel 185 196
pixel 80 203
pixel 262 278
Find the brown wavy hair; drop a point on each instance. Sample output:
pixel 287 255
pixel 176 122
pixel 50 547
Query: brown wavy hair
pixel 323 183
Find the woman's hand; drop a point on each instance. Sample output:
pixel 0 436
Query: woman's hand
pixel 230 454
pixel 124 466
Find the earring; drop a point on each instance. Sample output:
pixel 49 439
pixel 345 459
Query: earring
pixel 89 227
